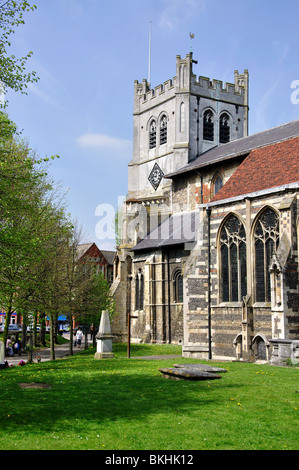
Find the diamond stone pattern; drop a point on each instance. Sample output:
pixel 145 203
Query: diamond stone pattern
pixel 156 176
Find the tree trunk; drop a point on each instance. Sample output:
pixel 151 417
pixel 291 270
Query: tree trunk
pixel 52 333
pixel 71 337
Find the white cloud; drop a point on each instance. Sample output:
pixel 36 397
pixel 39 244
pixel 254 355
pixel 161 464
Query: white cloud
pixel 102 141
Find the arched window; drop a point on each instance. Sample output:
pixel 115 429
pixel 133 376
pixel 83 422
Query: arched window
pixel 178 294
pixel 224 129
pixel 233 260
pixel 218 183
pixel 152 134
pixel 163 130
pixel 208 125
pixel 266 239
pixel 139 290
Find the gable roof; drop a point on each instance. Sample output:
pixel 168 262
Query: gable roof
pixel 85 247
pixel 264 168
pixel 240 147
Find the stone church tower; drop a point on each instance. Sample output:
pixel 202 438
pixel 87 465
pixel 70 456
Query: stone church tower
pixel 173 124
pixel 179 120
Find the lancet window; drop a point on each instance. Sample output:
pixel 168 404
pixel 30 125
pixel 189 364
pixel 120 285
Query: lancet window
pixel 152 134
pixel 178 286
pixel 163 130
pixel 139 291
pixel 224 129
pixel 208 125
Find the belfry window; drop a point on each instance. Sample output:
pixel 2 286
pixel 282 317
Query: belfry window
pixel 224 129
pixel 163 130
pixel 208 125
pixel 139 291
pixel 266 239
pixel 152 135
pixel 178 286
pixel 233 260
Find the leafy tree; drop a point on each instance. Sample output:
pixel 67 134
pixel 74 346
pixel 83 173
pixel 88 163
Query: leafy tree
pixel 95 297
pixel 13 73
pixel 22 186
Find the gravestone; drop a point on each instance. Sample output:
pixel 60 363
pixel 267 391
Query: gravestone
pixel 178 373
pixel 203 367
pixel 104 338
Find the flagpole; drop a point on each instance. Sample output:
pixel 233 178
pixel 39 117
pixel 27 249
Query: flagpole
pixel 149 54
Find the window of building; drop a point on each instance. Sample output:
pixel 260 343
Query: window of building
pixel 233 260
pixel 152 135
pixel 139 291
pixel 208 125
pixel 266 239
pixel 178 286
pixel 224 129
pixel 218 183
pixel 163 130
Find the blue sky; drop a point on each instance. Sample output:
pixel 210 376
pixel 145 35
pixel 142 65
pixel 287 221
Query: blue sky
pixel 88 53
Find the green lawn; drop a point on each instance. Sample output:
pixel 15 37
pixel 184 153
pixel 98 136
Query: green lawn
pixel 126 404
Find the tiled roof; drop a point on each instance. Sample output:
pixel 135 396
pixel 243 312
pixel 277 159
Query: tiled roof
pixel 241 147
pixel 109 255
pixel 264 168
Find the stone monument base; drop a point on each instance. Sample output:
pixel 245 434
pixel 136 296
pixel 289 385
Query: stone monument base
pixel 103 355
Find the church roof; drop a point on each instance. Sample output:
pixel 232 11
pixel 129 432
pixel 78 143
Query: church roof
pixel 264 168
pixel 180 228
pixel 241 147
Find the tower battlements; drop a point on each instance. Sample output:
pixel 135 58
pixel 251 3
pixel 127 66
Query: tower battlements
pixel 187 82
pixel 145 97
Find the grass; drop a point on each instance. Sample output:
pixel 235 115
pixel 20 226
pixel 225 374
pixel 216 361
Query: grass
pixel 126 404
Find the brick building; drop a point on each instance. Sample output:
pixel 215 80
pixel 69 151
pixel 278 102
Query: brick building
pixel 209 253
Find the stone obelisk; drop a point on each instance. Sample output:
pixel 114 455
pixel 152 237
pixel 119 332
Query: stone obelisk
pixel 104 338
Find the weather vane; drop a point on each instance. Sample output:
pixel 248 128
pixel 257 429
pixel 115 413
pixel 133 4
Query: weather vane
pixel 191 37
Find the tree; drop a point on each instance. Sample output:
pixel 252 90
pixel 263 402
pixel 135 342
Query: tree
pixel 13 73
pixel 22 186
pixel 95 296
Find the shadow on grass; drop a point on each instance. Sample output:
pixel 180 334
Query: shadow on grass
pixel 99 392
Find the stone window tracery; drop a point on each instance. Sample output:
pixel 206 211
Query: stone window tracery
pixel 152 134
pixel 224 129
pixel 208 125
pixel 266 239
pixel 233 260
pixel 163 130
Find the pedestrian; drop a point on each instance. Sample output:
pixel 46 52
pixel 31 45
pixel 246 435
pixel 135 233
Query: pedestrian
pixel 16 346
pixel 9 349
pixel 79 336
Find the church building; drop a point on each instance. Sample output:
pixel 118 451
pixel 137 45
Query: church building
pixel 210 232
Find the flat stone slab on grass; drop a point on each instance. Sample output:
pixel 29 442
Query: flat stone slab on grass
pixel 178 373
pixel 203 367
pixel 39 385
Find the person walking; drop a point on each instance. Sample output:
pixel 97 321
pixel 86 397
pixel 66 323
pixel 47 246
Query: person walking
pixel 79 337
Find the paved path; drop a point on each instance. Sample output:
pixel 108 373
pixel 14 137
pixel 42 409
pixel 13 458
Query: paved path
pixel 61 351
